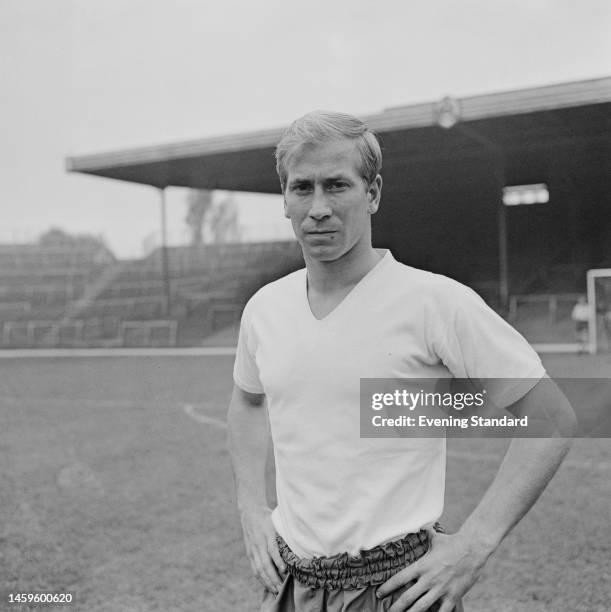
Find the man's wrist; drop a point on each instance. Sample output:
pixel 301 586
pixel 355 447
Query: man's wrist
pixel 479 539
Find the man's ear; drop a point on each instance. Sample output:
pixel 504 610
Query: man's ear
pixel 374 194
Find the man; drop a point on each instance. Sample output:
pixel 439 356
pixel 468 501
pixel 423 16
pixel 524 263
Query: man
pixel 581 315
pixel 355 525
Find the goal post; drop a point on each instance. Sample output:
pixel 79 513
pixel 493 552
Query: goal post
pixel 567 322
pixel 599 305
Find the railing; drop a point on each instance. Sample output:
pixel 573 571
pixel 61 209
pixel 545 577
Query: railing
pixel 145 306
pixel 59 307
pixel 47 293
pixel 28 256
pixel 551 300
pixel 159 333
pixel 14 308
pixel 88 332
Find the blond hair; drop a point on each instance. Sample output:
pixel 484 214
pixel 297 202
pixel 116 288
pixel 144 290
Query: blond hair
pixel 324 126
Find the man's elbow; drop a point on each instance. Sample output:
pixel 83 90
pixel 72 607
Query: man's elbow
pixel 568 424
pixel 246 411
pixel 550 414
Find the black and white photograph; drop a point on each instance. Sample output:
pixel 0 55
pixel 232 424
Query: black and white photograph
pixel 305 306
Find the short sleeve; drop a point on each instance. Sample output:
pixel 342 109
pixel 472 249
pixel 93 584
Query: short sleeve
pixel 479 344
pixel 245 370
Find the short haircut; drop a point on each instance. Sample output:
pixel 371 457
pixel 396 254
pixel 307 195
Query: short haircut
pixel 324 126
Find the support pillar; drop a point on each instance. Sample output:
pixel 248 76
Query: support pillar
pixel 165 268
pixel 503 257
pixel 498 157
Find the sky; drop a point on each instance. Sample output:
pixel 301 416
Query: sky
pixel 87 76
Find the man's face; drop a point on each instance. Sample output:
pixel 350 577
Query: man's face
pixel 327 199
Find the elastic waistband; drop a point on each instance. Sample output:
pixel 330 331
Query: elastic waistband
pixel 344 571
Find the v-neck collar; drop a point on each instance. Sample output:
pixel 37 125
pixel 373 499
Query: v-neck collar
pixel 349 296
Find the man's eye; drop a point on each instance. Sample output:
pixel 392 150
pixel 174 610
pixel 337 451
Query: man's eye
pixel 337 186
pixel 301 188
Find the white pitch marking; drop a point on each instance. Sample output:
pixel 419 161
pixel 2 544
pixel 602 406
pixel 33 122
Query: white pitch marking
pixel 204 351
pixel 602 466
pixel 202 418
pixel 89 402
pixel 198 351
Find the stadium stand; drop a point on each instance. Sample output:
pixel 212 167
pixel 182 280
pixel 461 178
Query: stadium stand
pixel 78 298
pixel 75 298
pixel 444 207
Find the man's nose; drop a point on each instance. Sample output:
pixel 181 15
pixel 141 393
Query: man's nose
pixel 319 208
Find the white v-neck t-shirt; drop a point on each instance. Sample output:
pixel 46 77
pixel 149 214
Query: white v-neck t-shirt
pixel 338 492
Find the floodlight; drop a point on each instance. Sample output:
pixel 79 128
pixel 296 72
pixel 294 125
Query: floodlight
pixel 542 196
pixel 447 113
pixel 511 199
pixel 517 195
pixel 529 197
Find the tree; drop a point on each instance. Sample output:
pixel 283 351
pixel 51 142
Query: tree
pixel 56 237
pixel 222 221
pixel 59 240
pixel 199 202
pixel 215 221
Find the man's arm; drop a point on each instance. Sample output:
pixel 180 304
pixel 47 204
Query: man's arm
pixel 454 562
pixel 248 444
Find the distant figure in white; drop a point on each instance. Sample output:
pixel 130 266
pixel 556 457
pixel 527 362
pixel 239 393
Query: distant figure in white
pixel 581 315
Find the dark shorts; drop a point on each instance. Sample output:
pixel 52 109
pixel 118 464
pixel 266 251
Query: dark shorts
pixel 343 582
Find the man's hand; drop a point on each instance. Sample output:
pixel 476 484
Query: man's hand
pixel 447 571
pixel 262 548
pixel 248 442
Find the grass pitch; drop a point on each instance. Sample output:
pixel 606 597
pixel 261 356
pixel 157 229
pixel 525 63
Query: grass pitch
pixel 115 485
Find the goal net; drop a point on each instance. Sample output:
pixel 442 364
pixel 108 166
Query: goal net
pixel 599 310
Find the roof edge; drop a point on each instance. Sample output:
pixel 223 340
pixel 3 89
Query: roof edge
pixel 517 101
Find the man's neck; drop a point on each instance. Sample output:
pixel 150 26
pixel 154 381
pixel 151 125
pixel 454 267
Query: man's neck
pixel 343 273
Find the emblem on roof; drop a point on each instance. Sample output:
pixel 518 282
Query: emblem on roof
pixel 447 112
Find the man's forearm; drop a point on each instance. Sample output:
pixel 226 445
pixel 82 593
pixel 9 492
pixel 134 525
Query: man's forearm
pixel 248 441
pixel 248 444
pixel 527 467
pixel 454 562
